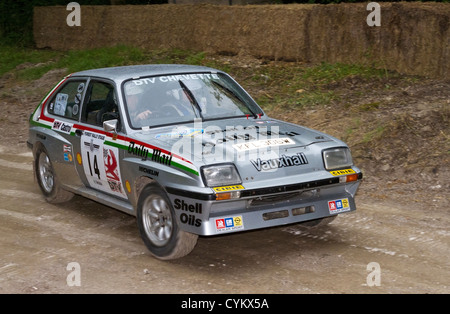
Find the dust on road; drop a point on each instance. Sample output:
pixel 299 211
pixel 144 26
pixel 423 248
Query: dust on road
pixel 383 247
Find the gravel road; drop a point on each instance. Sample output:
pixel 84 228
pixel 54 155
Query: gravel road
pixel 85 247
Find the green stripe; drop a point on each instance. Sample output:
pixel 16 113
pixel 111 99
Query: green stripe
pixel 150 155
pixel 115 144
pixel 185 168
pixel 124 147
pixel 35 123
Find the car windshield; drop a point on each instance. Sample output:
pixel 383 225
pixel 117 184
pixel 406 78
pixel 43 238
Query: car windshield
pixel 170 99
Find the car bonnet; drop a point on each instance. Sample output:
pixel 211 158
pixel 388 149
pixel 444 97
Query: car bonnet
pixel 258 147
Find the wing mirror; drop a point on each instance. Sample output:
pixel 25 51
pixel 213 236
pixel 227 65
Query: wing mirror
pixel 111 126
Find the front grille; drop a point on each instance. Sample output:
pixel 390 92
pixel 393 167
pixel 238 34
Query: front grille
pixel 283 198
pixel 289 188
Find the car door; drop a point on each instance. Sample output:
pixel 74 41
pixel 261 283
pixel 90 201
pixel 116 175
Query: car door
pixel 63 111
pixel 98 162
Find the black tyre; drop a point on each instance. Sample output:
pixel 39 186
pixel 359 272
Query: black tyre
pixel 48 182
pixel 159 228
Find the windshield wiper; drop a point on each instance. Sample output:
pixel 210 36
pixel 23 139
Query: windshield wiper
pixel 232 93
pixel 191 97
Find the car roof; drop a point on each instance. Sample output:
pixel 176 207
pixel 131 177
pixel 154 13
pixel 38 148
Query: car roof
pixel 135 71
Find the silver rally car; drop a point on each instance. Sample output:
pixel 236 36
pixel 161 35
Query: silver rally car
pixel 187 151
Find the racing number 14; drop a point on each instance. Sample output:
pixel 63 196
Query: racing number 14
pixel 96 170
pixel 101 168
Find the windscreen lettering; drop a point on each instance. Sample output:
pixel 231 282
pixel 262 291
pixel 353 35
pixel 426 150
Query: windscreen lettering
pixel 174 78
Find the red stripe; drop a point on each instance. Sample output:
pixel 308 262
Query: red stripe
pixel 86 128
pixel 44 103
pixel 127 139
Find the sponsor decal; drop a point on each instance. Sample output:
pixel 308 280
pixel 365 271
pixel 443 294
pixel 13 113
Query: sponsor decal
pixel 60 104
pixel 112 170
pixel 41 136
pixel 80 88
pixel 79 159
pixel 228 138
pixel 67 150
pixel 338 206
pixel 188 218
pixel 283 161
pixel 101 165
pixel 342 172
pixel 164 159
pixel 233 132
pixel 233 223
pixel 149 171
pixel 242 147
pixel 175 78
pixel 68 157
pixel 139 151
pixel 185 133
pixel 182 205
pixel 128 186
pixel 62 126
pixel 228 188
pixel 259 115
pixel 77 100
pixel 157 155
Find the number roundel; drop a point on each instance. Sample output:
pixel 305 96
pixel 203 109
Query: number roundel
pixel 101 165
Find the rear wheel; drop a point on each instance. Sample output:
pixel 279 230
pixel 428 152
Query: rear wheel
pixel 158 226
pixel 47 179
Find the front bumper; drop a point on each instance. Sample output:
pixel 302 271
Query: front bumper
pixel 265 207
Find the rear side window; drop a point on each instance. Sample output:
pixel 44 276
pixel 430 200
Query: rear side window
pixel 66 103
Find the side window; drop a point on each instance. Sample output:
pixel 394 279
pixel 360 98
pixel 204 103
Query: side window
pixel 101 103
pixel 66 103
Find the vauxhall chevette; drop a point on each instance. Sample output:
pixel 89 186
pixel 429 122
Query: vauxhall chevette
pixel 188 152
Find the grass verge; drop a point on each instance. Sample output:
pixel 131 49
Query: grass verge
pixel 274 85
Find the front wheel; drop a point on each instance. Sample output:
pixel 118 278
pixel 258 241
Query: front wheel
pixel 158 226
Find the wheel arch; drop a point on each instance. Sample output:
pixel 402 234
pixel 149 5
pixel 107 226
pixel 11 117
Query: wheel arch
pixel 36 146
pixel 139 184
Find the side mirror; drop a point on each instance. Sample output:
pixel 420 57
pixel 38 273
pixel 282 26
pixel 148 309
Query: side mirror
pixel 111 126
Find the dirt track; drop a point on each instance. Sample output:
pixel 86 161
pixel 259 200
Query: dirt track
pixel 39 240
pixel 401 222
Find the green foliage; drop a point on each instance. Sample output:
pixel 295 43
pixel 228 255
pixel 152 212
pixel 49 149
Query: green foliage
pixel 79 60
pixel 31 64
pixel 300 85
pixel 326 73
pixel 12 56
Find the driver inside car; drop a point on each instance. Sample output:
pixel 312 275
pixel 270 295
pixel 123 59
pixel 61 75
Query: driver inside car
pixel 134 97
pixel 181 101
pixel 161 101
